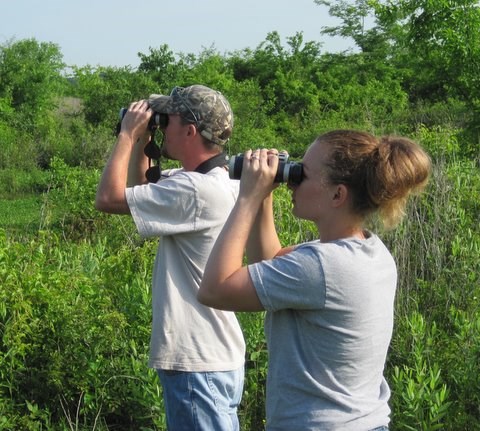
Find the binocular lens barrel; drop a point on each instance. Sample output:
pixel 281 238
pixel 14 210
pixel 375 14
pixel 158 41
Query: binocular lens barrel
pixel 287 172
pixel 157 119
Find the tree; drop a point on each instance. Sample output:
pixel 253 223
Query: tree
pixel 30 77
pixel 434 43
pixel 159 64
pixel 354 17
pixel 434 46
pixel 285 75
pixel 442 37
pixel 104 90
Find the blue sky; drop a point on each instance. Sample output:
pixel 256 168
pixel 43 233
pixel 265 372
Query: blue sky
pixel 111 33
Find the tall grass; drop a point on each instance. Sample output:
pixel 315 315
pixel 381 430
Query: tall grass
pixel 75 308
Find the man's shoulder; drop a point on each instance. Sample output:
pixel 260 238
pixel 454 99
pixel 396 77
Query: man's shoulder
pixel 216 179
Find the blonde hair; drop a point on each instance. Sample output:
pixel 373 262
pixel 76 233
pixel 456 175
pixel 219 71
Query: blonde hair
pixel 381 173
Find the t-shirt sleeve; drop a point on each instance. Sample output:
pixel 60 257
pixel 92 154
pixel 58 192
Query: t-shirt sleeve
pixel 295 280
pixel 163 208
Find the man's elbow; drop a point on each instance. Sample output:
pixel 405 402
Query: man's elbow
pixel 102 203
pixel 105 204
pixel 99 205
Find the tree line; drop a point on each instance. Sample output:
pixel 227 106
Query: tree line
pixel 74 302
pixel 418 63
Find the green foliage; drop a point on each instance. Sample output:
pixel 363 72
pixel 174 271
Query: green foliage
pixel 421 401
pixel 160 65
pixel 17 182
pixel 22 215
pixel 252 408
pixel 29 78
pixel 437 248
pixel 104 90
pixel 252 124
pixel 433 45
pixel 74 283
pixel 74 343
pixel 283 76
pixel 353 16
pixel 446 37
pixel 209 68
pixel 72 194
pixel 461 353
pixel 75 310
pixel 370 98
pixel 68 205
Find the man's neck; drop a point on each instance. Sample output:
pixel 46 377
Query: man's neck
pixel 193 162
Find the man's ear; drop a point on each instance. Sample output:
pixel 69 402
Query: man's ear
pixel 192 130
pixel 340 194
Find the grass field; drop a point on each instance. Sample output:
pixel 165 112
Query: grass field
pixel 21 214
pixel 75 309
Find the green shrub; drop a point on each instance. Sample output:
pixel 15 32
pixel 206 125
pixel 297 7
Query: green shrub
pixel 75 308
pixel 421 398
pixel 75 334
pixel 19 182
pixel 437 248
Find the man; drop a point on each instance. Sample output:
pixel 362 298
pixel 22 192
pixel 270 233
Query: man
pixel 197 351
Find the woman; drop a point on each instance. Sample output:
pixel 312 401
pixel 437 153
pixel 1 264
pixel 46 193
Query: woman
pixel 329 302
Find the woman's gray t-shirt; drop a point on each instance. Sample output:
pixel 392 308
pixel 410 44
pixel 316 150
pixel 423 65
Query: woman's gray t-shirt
pixel 328 326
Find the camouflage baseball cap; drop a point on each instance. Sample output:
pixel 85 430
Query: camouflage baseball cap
pixel 208 109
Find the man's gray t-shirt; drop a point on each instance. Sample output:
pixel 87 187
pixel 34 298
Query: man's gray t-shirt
pixel 328 325
pixel 187 211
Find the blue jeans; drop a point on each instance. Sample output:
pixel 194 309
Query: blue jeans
pixel 203 401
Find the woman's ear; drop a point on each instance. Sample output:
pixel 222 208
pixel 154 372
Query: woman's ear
pixel 340 194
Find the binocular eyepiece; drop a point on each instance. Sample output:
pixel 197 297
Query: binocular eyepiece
pixel 287 172
pixel 156 120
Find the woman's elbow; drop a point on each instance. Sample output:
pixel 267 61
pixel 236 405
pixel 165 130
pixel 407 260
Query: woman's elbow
pixel 211 294
pixel 205 298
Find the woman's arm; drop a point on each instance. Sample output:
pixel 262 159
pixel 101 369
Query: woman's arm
pixel 226 284
pixel 263 242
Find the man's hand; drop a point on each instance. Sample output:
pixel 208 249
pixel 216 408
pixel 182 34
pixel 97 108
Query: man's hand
pixel 135 122
pixel 111 190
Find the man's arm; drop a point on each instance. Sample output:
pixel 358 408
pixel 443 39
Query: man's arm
pixel 125 158
pixel 138 163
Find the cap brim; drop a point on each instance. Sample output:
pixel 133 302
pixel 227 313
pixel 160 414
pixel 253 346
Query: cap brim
pixel 161 104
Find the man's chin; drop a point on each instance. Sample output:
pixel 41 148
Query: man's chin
pixel 166 155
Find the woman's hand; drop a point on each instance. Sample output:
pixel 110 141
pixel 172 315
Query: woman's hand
pixel 258 173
